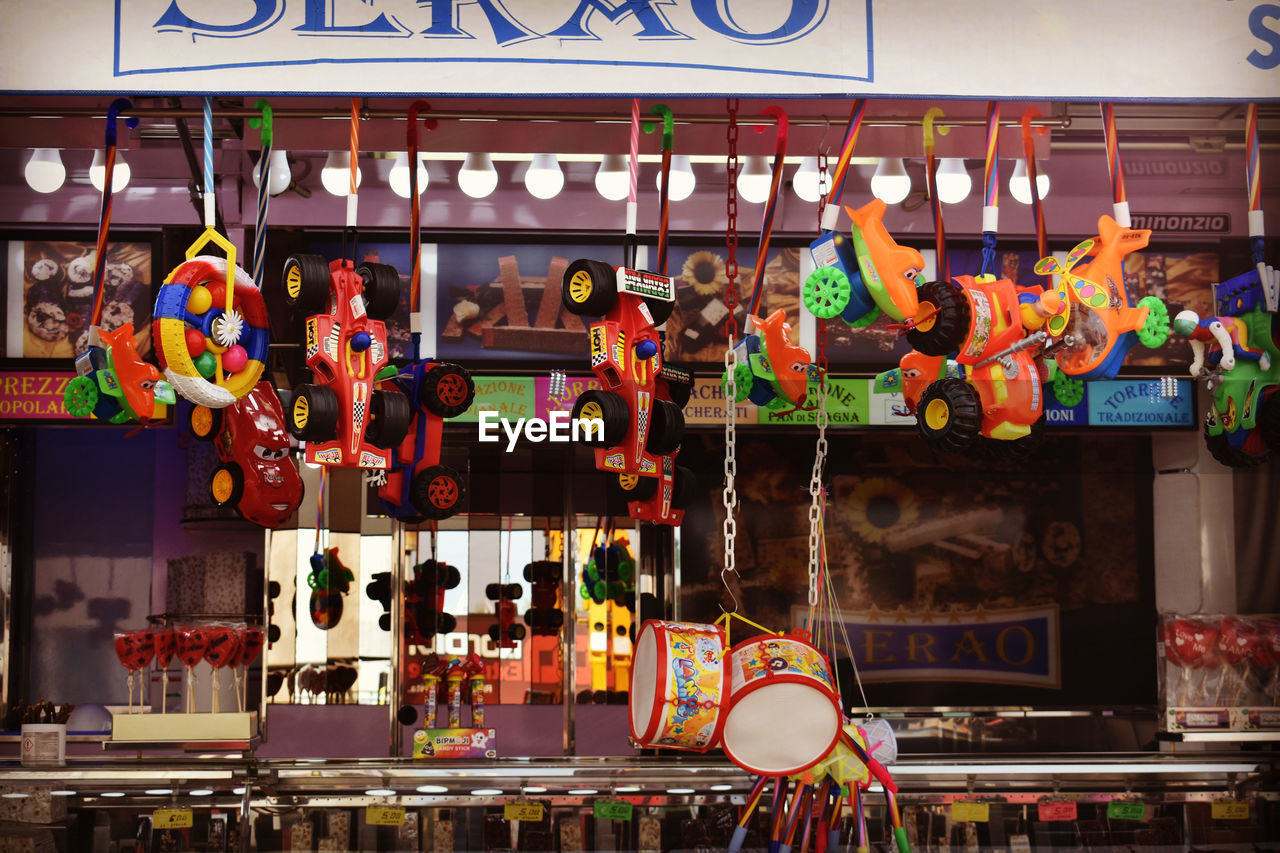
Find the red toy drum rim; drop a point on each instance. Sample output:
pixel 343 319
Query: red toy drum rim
pixel 770 678
pixel 662 629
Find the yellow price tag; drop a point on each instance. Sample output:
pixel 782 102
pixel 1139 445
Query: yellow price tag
pixel 964 812
pixel 172 819
pixel 1229 810
pixel 522 811
pixel 384 815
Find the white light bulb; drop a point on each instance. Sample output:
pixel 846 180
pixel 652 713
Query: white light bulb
pixel 891 183
pixel 952 180
pixel 613 178
pixel 682 178
pixel 45 172
pixel 336 174
pixel 805 180
pixel 98 172
pixel 280 177
pixel 754 180
pixel 1020 183
pixel 543 178
pixel 478 178
pixel 398 177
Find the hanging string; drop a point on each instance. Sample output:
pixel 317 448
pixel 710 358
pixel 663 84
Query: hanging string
pixel 770 208
pixel 264 183
pixel 354 185
pixel 324 482
pixel 846 151
pixel 931 178
pixel 210 218
pixel 415 229
pixel 1115 168
pixel 118 106
pixel 664 192
pixel 1253 178
pixel 1029 152
pixel 991 193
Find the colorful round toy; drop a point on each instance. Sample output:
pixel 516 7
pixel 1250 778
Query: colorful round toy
pixel 677 685
pixel 213 354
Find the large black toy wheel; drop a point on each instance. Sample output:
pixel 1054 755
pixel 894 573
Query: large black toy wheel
pixel 589 288
pixel 434 574
pixel 313 413
pixel 1269 420
pixel 306 282
pixel 227 484
pixel 682 488
pixel 437 492
pixel 666 428
pixel 604 406
pixel 389 416
pixel 1220 448
pixel 660 310
pixel 447 390
pixel 542 571
pixel 204 422
pixel 632 487
pixel 945 330
pixel 381 289
pixel 949 415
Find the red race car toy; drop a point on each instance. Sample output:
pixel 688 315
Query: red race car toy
pixel 343 419
pixel 417 486
pixel 508 631
pixel 256 475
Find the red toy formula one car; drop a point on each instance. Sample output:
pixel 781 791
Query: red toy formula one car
pixel 342 418
pixel 256 475
pixel 642 422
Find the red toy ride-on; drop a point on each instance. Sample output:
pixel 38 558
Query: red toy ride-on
pixel 341 417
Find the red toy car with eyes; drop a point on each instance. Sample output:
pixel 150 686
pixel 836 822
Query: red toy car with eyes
pixel 343 419
pixel 256 475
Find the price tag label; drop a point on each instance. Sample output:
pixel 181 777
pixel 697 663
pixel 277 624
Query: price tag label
pixel 1019 844
pixel 384 815
pixel 1056 811
pixel 172 819
pixel 612 810
pixel 964 812
pixel 522 811
pixel 1229 810
pixel 1119 810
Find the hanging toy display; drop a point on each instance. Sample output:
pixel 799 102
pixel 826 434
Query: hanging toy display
pixel 508 631
pixel 112 382
pixel 416 486
pixel 210 323
pixel 329 581
pixel 641 426
pixel 856 279
pixel 772 372
pixel 342 418
pixel 1236 352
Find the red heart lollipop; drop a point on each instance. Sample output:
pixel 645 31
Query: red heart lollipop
pixel 223 647
pixel 1170 647
pixel 192 643
pixel 1238 640
pixel 166 645
pixel 124 643
pixel 1268 651
pixel 252 639
pixel 1194 641
pixel 144 648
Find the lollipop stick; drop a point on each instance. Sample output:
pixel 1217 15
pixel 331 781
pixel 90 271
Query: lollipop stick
pixel 130 691
pixel 164 690
pixel 217 683
pixel 235 679
pixel 191 690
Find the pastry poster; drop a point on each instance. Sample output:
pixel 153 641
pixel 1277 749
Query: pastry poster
pixel 56 302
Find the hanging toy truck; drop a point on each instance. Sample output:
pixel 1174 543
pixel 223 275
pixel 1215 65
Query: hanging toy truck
pixel 425 615
pixel 417 486
pixel 508 631
pixel 999 395
pixel 1099 324
pixel 114 384
pixel 255 474
pixel 544 617
pixel 1243 369
pixel 857 279
pixel 342 418
pixel 661 499
pixel 329 581
pixel 640 426
pixel 771 371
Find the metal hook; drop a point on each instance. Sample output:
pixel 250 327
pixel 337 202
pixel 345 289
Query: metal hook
pixel 826 126
pixel 266 122
pixel 118 106
pixel 725 581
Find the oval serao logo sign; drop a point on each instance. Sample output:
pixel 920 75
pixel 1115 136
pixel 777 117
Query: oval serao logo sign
pixel 613 38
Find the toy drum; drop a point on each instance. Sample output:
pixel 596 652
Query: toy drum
pixel 677 683
pixel 782 715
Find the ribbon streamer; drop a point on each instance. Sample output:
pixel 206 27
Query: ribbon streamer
pixel 846 150
pixel 664 191
pixel 354 186
pixel 931 177
pixel 1029 152
pixel 210 217
pixel 1115 168
pixel 991 191
pixel 266 123
pixel 118 106
pixel 770 208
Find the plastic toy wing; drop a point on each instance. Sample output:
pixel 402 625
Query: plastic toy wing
pixel 1056 324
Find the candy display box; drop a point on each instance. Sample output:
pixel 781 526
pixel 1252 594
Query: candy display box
pixel 1219 673
pixel 184 728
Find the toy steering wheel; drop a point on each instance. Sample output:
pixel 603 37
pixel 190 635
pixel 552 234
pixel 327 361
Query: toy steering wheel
pixel 212 351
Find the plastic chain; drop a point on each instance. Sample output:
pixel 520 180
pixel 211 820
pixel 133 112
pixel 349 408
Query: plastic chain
pixel 815 496
pixel 212 356
pixel 731 361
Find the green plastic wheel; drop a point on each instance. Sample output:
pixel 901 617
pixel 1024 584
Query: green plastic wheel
pixel 867 319
pixel 743 379
pixel 1155 331
pixel 1068 389
pixel 81 396
pixel 826 292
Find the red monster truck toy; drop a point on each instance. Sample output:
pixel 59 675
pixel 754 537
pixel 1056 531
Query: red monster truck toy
pixel 505 634
pixel 342 418
pixel 544 617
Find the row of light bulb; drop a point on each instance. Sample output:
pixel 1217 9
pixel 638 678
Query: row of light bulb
pixel 544 179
